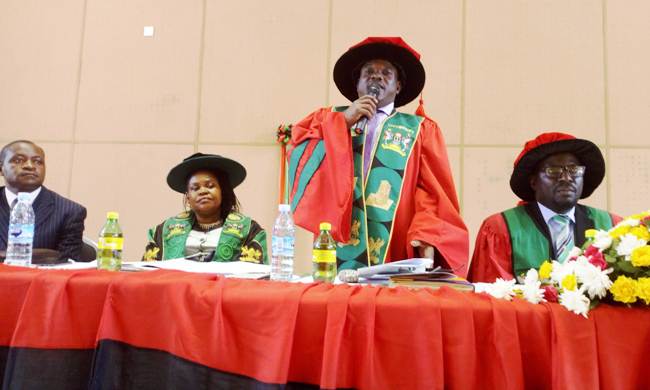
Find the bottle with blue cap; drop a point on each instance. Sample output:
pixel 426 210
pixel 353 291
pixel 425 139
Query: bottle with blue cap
pixel 282 245
pixel 20 237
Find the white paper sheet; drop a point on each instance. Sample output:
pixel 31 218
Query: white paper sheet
pixel 71 264
pixel 240 269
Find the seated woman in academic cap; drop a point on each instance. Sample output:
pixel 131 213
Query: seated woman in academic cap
pixel 211 227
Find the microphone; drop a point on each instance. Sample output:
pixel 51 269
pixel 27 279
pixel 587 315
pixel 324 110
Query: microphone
pixel 374 91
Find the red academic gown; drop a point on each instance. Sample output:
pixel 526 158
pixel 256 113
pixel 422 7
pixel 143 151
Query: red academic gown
pixel 492 256
pixel 428 207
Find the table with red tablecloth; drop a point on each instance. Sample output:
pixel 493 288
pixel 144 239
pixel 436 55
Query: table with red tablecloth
pixel 171 329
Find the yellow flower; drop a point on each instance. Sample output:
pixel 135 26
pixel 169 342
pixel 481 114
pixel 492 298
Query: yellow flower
pixel 569 282
pixel 624 289
pixel 643 289
pixel 641 232
pixel 619 231
pixel 545 270
pixel 641 256
pixel 640 216
pixel 590 233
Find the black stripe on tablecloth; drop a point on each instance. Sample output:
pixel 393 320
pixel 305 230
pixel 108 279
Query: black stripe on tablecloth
pixel 32 368
pixel 116 366
pixel 122 366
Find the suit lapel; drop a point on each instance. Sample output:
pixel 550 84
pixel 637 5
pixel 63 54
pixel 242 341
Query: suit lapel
pixel 4 217
pixel 43 206
pixel 582 224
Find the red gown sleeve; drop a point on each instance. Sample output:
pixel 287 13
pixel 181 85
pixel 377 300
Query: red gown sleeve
pixel 615 218
pixel 492 257
pixel 437 219
pixel 328 197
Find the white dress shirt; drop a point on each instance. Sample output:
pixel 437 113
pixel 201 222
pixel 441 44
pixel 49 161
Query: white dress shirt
pixel 11 196
pixel 547 214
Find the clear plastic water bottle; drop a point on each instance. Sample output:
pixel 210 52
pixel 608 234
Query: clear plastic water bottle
pixel 282 245
pixel 21 232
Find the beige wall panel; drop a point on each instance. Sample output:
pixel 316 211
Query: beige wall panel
pixel 486 185
pixel 40 43
pixel 433 28
pixel 136 88
pixel 533 66
pixel 599 197
pixel 130 179
pixel 58 160
pixel 630 180
pixel 264 64
pixel 58 157
pixel 304 243
pixel 628 62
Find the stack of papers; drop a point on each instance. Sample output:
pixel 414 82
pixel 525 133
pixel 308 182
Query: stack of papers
pixel 433 279
pixel 384 271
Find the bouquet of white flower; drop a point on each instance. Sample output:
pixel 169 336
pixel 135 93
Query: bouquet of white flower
pixel 614 262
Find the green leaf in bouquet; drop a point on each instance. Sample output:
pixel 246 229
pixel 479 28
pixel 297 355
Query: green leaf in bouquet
pixel 593 304
pixel 627 267
pixel 610 259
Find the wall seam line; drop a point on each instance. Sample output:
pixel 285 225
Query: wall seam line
pixel 328 55
pixel 608 187
pixel 75 115
pixel 461 161
pixel 199 99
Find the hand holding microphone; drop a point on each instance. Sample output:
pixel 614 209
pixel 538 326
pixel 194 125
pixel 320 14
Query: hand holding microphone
pixel 361 109
pixel 373 91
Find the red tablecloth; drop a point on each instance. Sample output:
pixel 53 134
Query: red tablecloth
pixel 331 336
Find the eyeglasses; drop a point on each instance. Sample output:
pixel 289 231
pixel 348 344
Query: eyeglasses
pixel 557 172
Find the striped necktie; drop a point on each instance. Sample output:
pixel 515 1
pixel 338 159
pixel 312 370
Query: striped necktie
pixel 562 236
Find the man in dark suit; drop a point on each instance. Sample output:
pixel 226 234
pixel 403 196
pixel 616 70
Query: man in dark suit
pixel 59 221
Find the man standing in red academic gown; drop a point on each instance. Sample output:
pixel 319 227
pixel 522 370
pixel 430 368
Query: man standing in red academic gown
pixel 380 177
